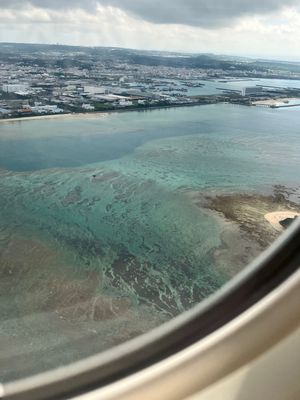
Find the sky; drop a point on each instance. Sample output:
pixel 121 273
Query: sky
pixel 255 28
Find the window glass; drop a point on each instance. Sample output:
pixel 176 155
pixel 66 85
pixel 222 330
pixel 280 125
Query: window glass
pixel 136 183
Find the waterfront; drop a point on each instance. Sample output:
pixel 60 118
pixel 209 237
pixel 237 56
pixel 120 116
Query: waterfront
pixel 131 80
pixel 211 87
pixel 111 226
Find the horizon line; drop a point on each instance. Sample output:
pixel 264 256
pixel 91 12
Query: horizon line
pixel 254 58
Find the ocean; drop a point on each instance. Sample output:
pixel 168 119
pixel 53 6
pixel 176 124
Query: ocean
pixel 100 237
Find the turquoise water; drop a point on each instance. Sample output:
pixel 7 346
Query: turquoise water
pixel 97 234
pixel 262 133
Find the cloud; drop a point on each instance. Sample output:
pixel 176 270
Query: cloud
pixel 199 13
pixel 56 5
pixel 269 28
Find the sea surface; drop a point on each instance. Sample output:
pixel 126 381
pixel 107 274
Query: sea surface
pixel 215 86
pixel 99 239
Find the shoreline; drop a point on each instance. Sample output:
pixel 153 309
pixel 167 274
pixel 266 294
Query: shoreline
pixel 56 116
pixel 251 223
pixel 105 112
pixel 94 114
pixel 257 215
pixel 275 218
pixel 282 102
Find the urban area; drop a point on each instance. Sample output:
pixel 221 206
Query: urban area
pixel 55 79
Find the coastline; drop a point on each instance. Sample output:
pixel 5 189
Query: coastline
pixel 251 223
pixel 278 103
pixel 275 218
pixel 256 215
pixel 56 116
pixel 94 114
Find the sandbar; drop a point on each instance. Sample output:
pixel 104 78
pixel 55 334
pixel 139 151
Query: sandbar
pixel 274 218
pixel 280 102
pixel 249 223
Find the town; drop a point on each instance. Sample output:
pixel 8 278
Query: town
pixel 54 79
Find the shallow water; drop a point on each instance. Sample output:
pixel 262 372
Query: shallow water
pixel 99 238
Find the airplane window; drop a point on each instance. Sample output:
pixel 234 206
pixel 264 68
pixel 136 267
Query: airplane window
pixel 147 157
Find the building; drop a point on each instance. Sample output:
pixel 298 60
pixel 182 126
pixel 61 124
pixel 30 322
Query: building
pixel 88 107
pixel 14 88
pixel 4 111
pixel 93 90
pixel 252 91
pixel 125 103
pixel 46 109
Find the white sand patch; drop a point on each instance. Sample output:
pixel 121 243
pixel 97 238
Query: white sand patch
pixel 277 102
pixel 275 217
pixel 57 116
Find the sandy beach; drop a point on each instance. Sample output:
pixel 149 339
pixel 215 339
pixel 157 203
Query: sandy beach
pixel 256 214
pixel 274 218
pixel 56 116
pixel 250 223
pixel 276 102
